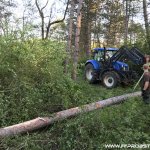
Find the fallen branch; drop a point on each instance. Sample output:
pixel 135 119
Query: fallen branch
pixel 45 121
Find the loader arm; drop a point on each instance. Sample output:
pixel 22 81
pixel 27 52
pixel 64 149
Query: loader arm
pixel 133 55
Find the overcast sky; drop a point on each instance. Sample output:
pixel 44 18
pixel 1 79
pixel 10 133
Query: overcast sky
pixel 19 10
pixel 57 7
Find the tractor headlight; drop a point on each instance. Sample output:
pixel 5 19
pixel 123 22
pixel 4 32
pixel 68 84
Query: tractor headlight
pixel 125 68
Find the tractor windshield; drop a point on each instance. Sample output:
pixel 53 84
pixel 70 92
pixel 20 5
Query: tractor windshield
pixel 99 55
pixel 109 54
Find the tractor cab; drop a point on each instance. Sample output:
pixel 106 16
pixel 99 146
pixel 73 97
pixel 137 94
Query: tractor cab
pixel 103 54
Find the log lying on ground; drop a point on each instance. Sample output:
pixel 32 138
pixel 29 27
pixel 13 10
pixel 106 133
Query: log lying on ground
pixel 45 121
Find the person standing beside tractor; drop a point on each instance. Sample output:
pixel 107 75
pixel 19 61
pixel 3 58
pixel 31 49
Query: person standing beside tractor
pixel 145 84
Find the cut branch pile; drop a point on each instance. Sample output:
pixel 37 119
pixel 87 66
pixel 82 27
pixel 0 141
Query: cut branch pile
pixel 40 122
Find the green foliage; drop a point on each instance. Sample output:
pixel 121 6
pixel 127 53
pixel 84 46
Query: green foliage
pixel 32 84
pixel 32 80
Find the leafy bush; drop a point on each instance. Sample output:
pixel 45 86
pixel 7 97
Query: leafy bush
pixel 32 80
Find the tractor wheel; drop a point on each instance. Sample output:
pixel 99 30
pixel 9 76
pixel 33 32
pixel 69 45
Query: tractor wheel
pixel 89 73
pixel 110 79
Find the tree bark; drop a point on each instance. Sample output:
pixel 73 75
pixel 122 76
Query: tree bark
pixel 146 22
pixel 88 45
pixel 69 41
pixel 77 37
pixel 40 122
pixel 126 23
pixel 42 17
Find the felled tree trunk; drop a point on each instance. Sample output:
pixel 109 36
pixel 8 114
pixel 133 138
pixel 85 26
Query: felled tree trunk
pixel 45 121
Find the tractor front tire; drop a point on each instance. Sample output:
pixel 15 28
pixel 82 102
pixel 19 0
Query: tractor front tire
pixel 89 73
pixel 110 79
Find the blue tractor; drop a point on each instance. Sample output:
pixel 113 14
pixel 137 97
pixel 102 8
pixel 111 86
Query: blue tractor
pixel 109 65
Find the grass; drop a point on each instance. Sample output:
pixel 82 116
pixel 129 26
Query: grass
pixel 127 123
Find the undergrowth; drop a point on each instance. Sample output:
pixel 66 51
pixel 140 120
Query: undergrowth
pixel 32 84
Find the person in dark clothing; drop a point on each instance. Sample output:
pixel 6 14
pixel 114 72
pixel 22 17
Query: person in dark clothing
pixel 145 85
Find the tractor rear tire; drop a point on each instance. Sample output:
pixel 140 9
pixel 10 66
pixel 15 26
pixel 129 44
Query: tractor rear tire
pixel 110 79
pixel 90 73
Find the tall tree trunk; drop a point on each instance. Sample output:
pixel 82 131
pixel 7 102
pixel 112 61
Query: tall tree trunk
pixel 88 47
pixel 41 13
pixel 69 41
pixel 56 21
pixel 87 24
pixel 146 22
pixel 77 37
pixel 126 23
pixel 97 23
pixel 42 17
pixel 39 122
pixel 131 32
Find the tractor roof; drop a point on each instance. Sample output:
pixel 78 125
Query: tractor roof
pixel 107 49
